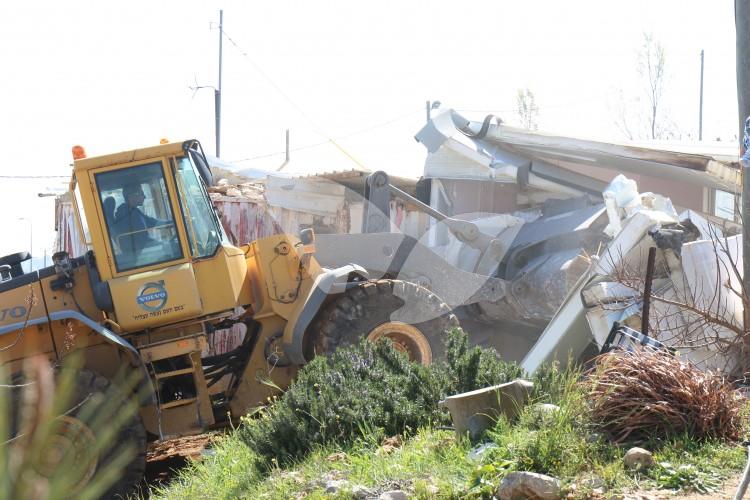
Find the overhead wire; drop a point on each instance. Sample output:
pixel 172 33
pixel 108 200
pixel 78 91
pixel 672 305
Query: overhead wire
pixel 345 136
pixel 34 177
pixel 298 108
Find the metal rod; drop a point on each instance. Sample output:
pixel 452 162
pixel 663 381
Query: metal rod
pixel 647 290
pixel 742 488
pixel 746 236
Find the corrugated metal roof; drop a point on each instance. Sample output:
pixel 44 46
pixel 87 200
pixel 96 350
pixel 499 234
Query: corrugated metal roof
pixel 493 146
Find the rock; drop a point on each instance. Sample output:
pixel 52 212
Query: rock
pixel 588 487
pixel 546 408
pixel 638 459
pixel 394 495
pixel 529 486
pixel 593 438
pixel 543 413
pixel 336 485
pixel 362 492
pixel 592 483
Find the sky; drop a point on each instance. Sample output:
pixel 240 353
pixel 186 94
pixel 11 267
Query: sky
pixel 113 76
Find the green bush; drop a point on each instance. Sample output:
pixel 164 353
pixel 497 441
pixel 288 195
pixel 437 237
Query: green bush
pixel 553 384
pixel 369 388
pixel 467 369
pixel 338 397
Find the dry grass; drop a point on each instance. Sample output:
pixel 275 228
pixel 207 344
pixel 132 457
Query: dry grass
pixel 645 394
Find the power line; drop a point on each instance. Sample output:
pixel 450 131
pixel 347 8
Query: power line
pixel 283 94
pixel 346 136
pixel 34 177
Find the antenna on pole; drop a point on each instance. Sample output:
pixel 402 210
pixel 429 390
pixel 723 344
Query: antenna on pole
pixel 217 91
pixel 700 110
pixel 286 160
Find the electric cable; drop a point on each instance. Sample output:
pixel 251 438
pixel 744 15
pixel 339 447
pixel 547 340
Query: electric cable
pixel 346 136
pixel 298 108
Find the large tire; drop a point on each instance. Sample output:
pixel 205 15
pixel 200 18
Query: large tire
pixel 93 389
pixel 412 317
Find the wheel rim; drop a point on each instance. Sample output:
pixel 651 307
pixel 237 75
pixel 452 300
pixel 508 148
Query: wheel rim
pixel 76 440
pixel 405 338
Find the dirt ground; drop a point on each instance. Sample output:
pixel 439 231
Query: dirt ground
pixel 187 447
pixel 165 457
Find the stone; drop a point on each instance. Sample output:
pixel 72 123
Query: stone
pixel 545 408
pixel 592 482
pixel 543 413
pixel 593 438
pixel 362 492
pixel 529 486
pixel 638 459
pixel 394 495
pixel 336 485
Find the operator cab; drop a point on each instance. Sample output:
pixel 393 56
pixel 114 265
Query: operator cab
pixel 156 211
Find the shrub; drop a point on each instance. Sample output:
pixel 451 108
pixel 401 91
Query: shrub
pixel 337 398
pixel 369 388
pixel 466 369
pixel 643 394
pixel 553 384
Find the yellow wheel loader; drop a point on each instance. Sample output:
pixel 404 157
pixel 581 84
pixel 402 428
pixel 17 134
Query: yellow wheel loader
pixel 160 277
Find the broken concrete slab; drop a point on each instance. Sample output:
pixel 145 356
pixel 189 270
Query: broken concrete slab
pixel 476 411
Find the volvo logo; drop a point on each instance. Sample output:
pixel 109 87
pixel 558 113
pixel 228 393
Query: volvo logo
pixel 152 296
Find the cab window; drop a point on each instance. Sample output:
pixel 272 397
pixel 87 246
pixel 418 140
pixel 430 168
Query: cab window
pixel 138 216
pixel 201 224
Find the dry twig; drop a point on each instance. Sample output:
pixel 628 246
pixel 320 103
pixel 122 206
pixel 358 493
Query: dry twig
pixel 642 394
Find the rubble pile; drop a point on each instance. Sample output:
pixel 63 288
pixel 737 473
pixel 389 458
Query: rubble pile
pixel 251 190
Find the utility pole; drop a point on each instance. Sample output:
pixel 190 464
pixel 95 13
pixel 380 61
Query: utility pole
pixel 217 91
pixel 427 107
pixel 700 111
pixel 742 31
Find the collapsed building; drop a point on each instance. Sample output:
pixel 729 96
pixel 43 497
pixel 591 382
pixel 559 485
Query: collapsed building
pixel 524 234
